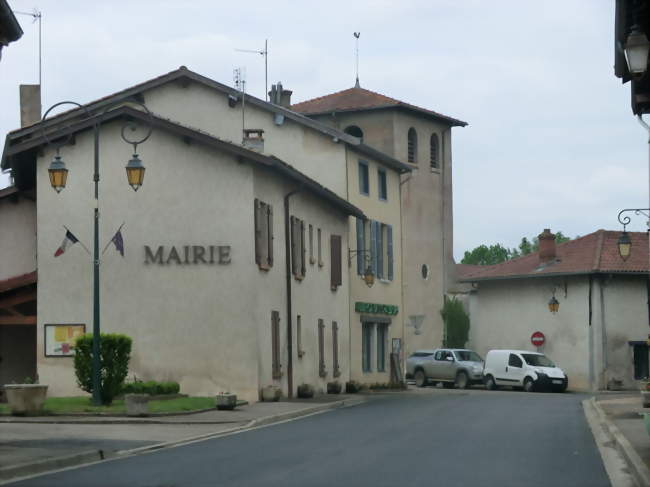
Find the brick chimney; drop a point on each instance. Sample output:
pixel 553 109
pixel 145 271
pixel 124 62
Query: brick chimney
pixel 546 246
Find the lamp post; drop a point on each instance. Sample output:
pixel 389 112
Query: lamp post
pixel 58 174
pixel 624 242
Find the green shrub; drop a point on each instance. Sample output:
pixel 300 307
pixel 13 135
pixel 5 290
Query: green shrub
pixel 114 356
pixel 456 323
pixel 151 387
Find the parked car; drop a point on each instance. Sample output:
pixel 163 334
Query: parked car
pixel 450 366
pixel 519 368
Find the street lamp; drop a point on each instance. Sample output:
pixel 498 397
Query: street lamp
pixel 624 242
pixel 636 51
pixel 368 274
pixel 135 176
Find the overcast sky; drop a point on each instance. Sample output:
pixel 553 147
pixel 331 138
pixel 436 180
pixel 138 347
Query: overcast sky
pixel 551 141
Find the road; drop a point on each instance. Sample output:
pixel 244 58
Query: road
pixel 428 437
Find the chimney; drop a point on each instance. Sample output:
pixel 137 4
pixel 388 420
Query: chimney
pixel 280 96
pixel 30 104
pixel 254 139
pixel 546 246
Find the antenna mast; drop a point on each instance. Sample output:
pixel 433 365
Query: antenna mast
pixel 37 16
pixel 239 77
pixel 264 52
pixel 356 36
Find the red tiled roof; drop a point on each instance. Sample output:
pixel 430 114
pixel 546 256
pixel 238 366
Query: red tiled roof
pixel 593 253
pixel 354 99
pixel 18 281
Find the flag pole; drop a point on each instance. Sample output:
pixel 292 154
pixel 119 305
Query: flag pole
pixel 78 240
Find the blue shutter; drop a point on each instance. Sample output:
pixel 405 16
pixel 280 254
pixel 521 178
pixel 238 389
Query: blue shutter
pixel 360 246
pixel 380 251
pixel 373 246
pixel 389 250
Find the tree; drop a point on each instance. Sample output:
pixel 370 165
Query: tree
pixel 456 323
pixel 484 255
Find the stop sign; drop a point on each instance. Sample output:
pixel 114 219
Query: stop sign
pixel 537 339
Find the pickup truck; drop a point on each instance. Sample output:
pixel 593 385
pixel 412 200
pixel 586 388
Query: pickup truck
pixel 452 367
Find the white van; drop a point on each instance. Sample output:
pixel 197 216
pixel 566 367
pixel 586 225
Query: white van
pixel 519 368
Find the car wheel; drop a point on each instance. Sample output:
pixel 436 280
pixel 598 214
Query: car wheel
pixel 448 385
pixel 490 383
pixel 529 385
pixel 462 381
pixel 420 378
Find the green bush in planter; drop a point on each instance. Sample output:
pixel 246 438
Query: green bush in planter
pixel 114 357
pixel 151 387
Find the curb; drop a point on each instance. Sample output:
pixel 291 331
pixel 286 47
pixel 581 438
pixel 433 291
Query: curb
pixel 636 465
pixel 14 472
pixel 31 468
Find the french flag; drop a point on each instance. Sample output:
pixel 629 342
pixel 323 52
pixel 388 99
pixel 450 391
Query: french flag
pixel 69 239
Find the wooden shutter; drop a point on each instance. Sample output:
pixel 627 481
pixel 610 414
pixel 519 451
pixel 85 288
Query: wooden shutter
pixel 258 239
pixel 360 246
pixel 336 371
pixel 321 348
pixel 373 246
pixel 276 367
pixel 269 221
pixel 380 250
pixel 294 247
pixel 389 250
pixel 312 261
pixel 303 250
pixel 320 249
pixel 336 277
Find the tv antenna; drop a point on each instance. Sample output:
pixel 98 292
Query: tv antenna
pixel 37 16
pixel 356 36
pixel 239 78
pixel 264 52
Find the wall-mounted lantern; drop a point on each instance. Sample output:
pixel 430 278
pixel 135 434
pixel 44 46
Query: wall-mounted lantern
pixel 553 305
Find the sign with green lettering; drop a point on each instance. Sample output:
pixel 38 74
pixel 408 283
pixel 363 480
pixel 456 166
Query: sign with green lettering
pixel 383 309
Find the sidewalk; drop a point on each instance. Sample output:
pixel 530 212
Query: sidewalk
pixel 30 445
pixel 621 413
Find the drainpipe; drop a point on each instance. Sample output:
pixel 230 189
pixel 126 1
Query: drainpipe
pixel 287 259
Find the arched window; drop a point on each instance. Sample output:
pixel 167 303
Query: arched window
pixel 434 151
pixel 412 146
pixel 354 131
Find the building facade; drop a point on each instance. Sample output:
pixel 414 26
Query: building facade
pixel 598 336
pixel 421 139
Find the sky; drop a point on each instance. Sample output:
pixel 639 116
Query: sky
pixel 551 141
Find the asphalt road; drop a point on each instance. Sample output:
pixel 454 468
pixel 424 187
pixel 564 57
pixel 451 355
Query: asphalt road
pixel 425 438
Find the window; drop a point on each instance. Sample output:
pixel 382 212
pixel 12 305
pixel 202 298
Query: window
pixel 382 338
pixel 298 251
pixel 354 131
pixel 301 352
pixel 412 150
pixel 515 361
pixel 321 349
pixel 276 367
pixel 641 363
pixel 263 214
pixel 375 242
pixel 364 181
pixel 336 371
pixel 336 274
pixel 312 261
pixel 366 346
pixel 434 151
pixel 320 250
pixel 382 184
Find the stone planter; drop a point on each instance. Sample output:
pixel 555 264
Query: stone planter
pixel 137 404
pixel 305 391
pixel 25 398
pixel 226 401
pixel 271 393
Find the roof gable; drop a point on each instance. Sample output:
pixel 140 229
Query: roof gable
pixel 592 254
pixel 358 99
